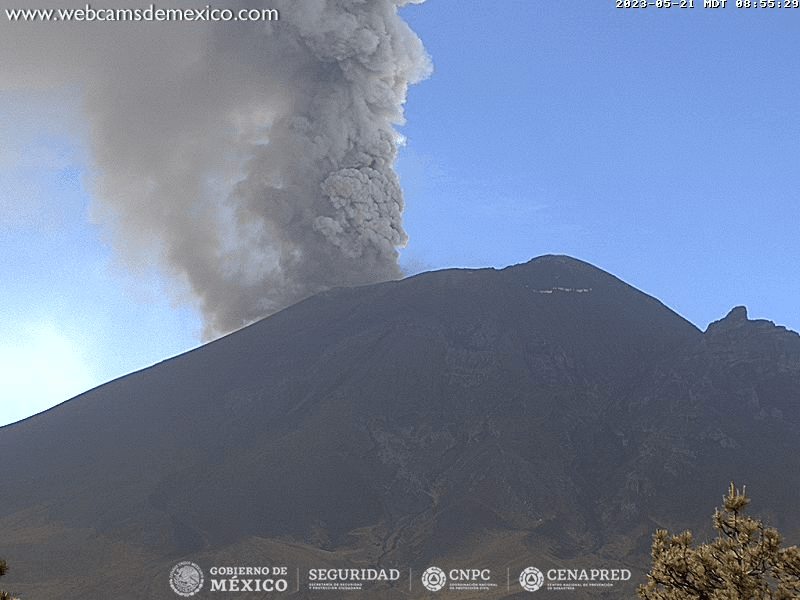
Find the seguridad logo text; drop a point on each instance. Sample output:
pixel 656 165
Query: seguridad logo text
pixel 353 574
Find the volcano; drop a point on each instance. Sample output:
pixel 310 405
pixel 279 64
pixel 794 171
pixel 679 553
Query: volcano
pixel 480 421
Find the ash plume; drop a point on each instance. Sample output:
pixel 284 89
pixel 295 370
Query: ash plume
pixel 252 162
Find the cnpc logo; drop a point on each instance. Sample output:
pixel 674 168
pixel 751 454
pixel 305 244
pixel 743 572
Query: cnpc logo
pixel 435 578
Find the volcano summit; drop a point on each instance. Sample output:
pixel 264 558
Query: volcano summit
pixel 544 414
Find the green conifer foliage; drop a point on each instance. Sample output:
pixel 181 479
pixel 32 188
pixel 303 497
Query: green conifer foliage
pixel 745 561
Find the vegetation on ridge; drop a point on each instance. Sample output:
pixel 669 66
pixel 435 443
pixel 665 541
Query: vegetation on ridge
pixel 3 569
pixel 745 562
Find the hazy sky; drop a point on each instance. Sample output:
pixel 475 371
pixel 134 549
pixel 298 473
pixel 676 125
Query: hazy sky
pixel 658 144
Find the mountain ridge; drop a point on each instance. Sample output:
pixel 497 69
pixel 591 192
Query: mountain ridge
pixel 548 407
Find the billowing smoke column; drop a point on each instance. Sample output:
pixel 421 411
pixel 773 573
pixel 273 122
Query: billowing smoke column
pixel 304 109
pixel 251 161
pixel 321 199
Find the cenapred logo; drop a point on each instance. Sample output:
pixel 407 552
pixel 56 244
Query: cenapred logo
pixel 434 579
pixel 531 579
pixel 186 578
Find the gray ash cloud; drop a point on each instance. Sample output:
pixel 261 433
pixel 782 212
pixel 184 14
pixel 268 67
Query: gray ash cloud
pixel 251 162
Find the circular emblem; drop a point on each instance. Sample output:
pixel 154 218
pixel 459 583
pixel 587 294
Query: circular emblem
pixel 531 579
pixel 186 578
pixel 434 579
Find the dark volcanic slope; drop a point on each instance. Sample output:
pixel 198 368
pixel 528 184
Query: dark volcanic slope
pixel 408 420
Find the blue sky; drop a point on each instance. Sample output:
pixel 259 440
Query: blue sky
pixel 658 144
